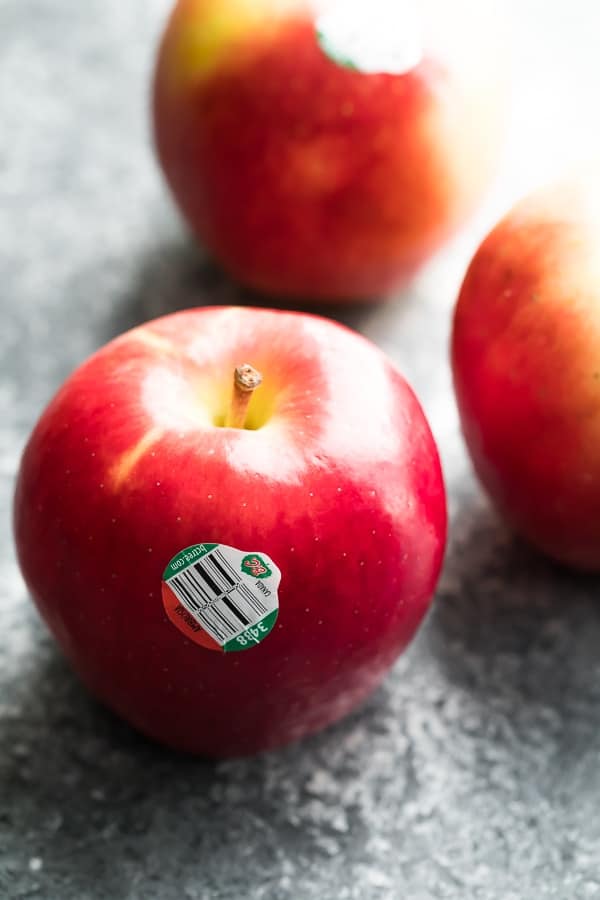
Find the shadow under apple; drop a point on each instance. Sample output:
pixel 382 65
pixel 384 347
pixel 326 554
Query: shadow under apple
pixel 180 274
pixel 519 636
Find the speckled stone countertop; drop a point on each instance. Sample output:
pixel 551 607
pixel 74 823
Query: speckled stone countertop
pixel 475 771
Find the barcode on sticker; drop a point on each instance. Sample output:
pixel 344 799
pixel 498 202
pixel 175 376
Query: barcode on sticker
pixel 219 598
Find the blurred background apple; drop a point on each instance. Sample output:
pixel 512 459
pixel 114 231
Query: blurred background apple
pixel 326 150
pixel 526 361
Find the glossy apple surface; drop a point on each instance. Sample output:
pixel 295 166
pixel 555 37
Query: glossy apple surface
pixel 336 478
pixel 526 359
pixel 322 166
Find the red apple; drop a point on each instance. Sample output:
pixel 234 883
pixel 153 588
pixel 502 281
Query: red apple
pixel 317 165
pixel 334 487
pixel 526 359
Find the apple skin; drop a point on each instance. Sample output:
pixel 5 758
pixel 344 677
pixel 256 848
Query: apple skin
pixel 341 487
pixel 526 361
pixel 307 178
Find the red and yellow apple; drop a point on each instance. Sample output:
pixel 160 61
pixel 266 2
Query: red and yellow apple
pixel 526 360
pixel 326 151
pixel 334 483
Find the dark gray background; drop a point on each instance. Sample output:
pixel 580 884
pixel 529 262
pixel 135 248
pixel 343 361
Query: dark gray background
pixel 475 771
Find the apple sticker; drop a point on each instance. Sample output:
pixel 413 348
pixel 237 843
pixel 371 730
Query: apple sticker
pixel 382 36
pixel 222 598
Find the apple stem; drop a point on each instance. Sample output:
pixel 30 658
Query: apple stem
pixel 245 381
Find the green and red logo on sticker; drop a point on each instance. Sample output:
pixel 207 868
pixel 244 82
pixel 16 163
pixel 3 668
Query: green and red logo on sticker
pixel 255 566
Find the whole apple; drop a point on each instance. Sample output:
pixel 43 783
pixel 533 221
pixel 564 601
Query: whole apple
pixel 526 360
pixel 327 150
pixel 230 569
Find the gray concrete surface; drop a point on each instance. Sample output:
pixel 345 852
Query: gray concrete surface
pixel 475 772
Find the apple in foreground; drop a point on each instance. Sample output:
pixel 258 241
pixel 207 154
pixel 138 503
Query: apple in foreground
pixel 230 570
pixel 327 150
pixel 526 360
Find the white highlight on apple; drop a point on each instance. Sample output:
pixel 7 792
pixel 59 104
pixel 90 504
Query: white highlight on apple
pixel 358 390
pixel 278 452
pixel 170 398
pixel 378 36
